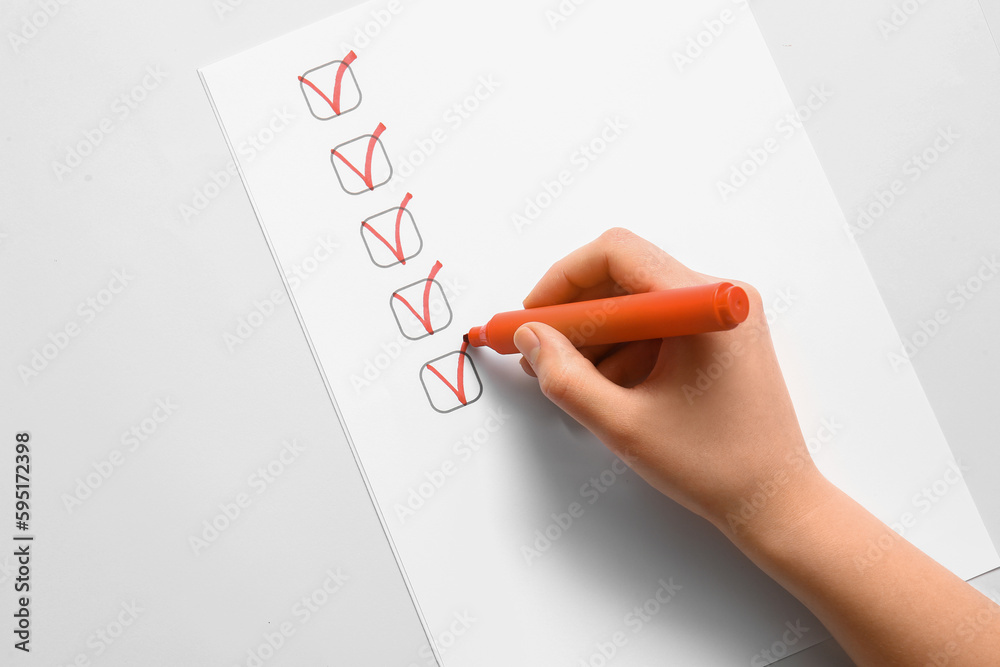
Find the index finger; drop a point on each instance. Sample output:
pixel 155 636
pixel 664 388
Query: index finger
pixel 615 258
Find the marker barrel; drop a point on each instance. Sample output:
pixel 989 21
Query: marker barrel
pixel 676 312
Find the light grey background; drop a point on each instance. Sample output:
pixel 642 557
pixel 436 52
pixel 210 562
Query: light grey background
pixel 190 283
pixel 163 335
pixel 991 10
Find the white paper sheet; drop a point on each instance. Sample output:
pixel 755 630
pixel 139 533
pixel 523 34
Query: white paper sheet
pixel 520 137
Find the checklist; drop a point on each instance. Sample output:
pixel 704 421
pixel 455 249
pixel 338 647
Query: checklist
pixel 362 164
pixel 451 381
pixel 331 90
pixel 392 237
pixel 421 308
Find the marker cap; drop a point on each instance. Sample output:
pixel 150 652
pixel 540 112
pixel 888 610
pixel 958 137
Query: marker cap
pixel 732 304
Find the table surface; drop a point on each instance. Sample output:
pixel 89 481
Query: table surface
pixel 133 204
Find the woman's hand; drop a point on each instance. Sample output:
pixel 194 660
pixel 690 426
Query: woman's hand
pixel 706 419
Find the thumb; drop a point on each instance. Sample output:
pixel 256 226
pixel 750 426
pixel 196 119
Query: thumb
pixel 568 379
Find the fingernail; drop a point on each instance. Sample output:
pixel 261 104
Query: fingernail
pixel 527 343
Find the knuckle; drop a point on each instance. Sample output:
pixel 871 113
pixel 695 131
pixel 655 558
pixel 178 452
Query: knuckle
pixel 617 235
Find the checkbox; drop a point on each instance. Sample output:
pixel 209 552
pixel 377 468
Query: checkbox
pixel 367 151
pixel 391 237
pixel 451 381
pixel 421 309
pixel 331 90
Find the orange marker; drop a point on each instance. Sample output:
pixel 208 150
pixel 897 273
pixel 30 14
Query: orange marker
pixel 620 319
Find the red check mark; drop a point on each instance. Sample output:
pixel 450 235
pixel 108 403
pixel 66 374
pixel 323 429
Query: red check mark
pixel 367 175
pixel 335 102
pixel 460 380
pixel 397 249
pixel 426 319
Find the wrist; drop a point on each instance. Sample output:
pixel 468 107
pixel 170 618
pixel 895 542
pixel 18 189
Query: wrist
pixel 770 515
